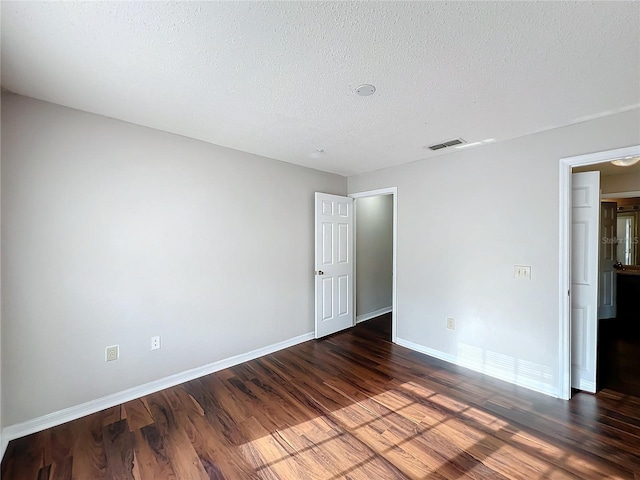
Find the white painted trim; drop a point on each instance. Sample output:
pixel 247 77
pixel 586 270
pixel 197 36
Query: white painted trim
pixel 539 387
pixel 394 290
pixel 375 193
pixel 394 296
pixel 376 313
pixel 621 194
pixel 354 289
pixel 564 325
pixel 447 357
pixel 566 164
pixel 72 413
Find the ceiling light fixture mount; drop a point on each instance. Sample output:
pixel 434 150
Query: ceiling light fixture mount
pixel 625 161
pixel 365 90
pixel 319 153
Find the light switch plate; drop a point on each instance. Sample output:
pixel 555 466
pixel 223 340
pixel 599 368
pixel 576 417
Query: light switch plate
pixel 523 271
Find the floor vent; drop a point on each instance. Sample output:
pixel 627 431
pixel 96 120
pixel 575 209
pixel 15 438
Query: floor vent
pixel 450 143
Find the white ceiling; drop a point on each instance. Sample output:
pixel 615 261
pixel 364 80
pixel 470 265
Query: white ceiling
pixel 278 78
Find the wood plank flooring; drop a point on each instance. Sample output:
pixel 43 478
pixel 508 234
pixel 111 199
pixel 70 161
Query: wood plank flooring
pixel 352 406
pixel 619 355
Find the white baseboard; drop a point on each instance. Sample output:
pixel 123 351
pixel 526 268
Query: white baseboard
pixel 72 413
pixel 529 383
pixel 374 314
pixel 447 357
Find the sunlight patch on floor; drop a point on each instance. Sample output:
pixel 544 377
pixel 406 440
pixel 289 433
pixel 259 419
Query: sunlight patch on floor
pixel 302 446
pixel 420 432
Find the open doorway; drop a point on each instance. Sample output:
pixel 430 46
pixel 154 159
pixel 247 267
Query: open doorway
pixel 577 343
pixel 618 331
pixel 619 337
pixel 375 259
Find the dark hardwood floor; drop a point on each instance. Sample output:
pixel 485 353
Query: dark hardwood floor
pixel 619 355
pixel 351 406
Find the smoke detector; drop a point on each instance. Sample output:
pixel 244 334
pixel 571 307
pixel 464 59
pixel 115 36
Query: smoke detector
pixel 365 90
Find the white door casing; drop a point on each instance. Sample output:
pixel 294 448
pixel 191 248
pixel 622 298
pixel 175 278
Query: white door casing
pixel 394 302
pixel 584 278
pixel 608 258
pixel 333 264
pixel 565 248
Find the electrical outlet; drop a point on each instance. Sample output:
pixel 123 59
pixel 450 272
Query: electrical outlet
pixel 522 271
pixel 111 353
pixel 451 324
pixel 155 343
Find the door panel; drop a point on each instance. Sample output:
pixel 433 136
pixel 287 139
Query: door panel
pixel 608 254
pixel 334 264
pixel 584 279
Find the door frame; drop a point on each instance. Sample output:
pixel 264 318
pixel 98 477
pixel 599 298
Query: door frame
pixel 393 191
pixel 565 170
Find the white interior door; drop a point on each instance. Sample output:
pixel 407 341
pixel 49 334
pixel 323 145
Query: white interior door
pixel 334 264
pixel 608 255
pixel 584 278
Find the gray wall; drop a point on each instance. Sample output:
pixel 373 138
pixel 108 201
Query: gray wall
pixel 464 220
pixel 629 182
pixel 374 253
pixel 113 233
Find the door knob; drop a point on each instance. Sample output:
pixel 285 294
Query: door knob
pixel 319 272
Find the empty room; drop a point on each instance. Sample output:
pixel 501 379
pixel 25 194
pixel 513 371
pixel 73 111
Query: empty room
pixel 320 240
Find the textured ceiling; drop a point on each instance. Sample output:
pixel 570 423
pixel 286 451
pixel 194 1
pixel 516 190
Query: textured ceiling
pixel 278 78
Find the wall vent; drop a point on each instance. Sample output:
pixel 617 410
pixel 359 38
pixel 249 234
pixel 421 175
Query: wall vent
pixel 450 143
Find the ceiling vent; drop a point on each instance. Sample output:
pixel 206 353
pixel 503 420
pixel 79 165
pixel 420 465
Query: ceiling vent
pixel 450 143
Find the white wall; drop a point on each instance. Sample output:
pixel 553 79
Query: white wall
pixel 374 254
pixel 629 182
pixel 113 233
pixel 464 220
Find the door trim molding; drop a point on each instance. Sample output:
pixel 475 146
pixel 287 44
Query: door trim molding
pixel 565 166
pixel 394 300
